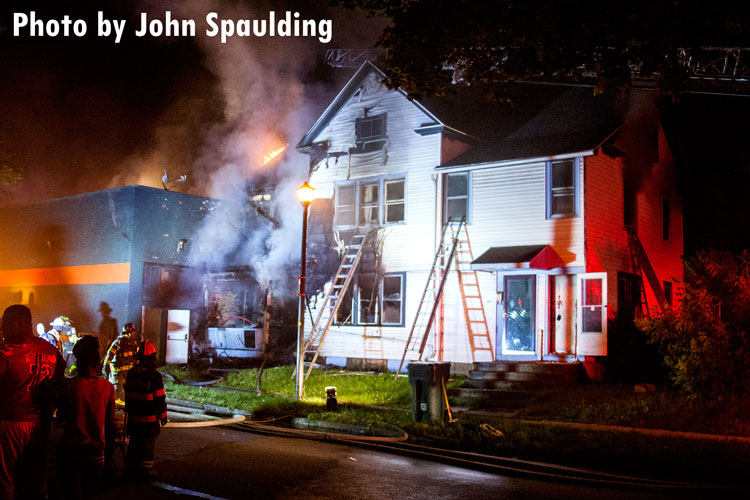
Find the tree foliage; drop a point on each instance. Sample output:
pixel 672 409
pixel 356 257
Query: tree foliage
pixel 706 341
pixel 496 42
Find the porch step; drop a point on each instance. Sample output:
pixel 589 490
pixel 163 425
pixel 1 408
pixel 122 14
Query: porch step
pixel 508 400
pixel 510 385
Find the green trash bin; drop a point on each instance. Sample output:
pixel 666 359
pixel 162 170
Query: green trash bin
pixel 427 398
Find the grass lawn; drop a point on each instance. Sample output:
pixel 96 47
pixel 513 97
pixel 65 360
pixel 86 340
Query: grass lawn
pixel 382 400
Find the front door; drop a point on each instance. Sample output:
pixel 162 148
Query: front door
pixel 592 314
pixel 519 315
pixel 563 310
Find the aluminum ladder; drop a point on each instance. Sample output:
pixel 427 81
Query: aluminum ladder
pixel 471 296
pixel 433 291
pixel 334 297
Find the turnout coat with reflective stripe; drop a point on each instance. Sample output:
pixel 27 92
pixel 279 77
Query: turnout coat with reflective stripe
pixel 145 400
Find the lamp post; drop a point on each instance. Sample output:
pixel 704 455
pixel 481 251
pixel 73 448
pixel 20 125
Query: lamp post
pixel 305 194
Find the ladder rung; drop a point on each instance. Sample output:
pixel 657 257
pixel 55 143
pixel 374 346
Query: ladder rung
pixel 346 266
pixel 342 276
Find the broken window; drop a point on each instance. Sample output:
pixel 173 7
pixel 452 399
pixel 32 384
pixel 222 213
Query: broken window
pixel 562 188
pixel 393 293
pixel 395 202
pixel 360 203
pixel 370 128
pixel 369 201
pixel 345 202
pixel 456 200
pixel 344 312
pixel 367 299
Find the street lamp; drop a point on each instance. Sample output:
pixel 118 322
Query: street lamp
pixel 305 194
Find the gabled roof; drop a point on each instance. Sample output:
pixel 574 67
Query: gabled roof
pixel 575 121
pixel 542 121
pixel 351 86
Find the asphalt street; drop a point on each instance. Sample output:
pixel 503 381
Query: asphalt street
pixel 217 462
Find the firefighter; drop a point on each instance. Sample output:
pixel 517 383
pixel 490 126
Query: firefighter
pixel 121 358
pixel 68 339
pixel 146 408
pixel 53 335
pixel 88 410
pixel 30 374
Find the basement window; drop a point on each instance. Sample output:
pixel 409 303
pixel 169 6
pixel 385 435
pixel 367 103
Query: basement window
pixel 562 188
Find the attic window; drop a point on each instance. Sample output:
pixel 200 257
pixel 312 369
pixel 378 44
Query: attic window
pixel 370 128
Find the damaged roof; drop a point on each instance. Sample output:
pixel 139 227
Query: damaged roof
pixel 541 121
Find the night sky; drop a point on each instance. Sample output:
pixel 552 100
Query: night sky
pixel 80 114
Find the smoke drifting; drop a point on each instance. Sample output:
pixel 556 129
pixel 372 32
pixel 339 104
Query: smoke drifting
pixel 262 106
pixel 84 114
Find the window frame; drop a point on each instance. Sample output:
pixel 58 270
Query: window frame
pixel 666 218
pixel 402 302
pixel 445 198
pixel 548 189
pixel 381 204
pixel 355 318
pixel 368 120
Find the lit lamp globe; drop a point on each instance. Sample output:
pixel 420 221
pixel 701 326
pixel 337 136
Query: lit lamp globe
pixel 305 193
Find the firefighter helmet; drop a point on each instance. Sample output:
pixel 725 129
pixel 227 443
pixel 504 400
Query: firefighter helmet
pixel 146 348
pixel 128 329
pixel 58 321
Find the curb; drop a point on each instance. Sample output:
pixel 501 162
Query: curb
pixel 348 429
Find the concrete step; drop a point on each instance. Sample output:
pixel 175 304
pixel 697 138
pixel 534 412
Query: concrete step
pixel 510 400
pixel 510 385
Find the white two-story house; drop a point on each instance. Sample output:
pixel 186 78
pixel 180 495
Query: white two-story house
pixel 569 201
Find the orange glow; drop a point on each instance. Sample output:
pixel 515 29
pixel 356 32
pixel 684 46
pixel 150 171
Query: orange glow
pixel 273 154
pixel 69 275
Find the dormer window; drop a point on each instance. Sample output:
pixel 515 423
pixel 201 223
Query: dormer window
pixel 370 128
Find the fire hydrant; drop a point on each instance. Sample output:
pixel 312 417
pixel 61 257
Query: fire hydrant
pixel 331 403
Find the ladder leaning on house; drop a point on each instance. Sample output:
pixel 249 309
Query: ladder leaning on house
pixel 643 265
pixel 433 290
pixel 471 296
pixel 334 297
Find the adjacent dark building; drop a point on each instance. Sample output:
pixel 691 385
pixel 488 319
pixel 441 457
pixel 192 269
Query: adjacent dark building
pixel 124 255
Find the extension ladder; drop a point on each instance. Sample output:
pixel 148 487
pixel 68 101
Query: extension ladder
pixel 433 291
pixel 334 297
pixel 471 297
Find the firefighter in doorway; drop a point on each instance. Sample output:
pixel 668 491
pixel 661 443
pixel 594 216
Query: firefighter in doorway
pixel 120 359
pixel 146 408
